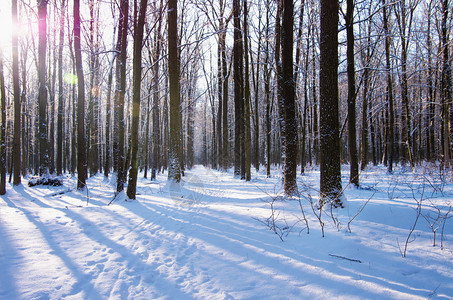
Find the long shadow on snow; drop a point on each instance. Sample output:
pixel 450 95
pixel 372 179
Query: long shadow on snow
pixel 239 240
pixel 131 260
pixel 94 234
pixel 8 288
pixel 87 287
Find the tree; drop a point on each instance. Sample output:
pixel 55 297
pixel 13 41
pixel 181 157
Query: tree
pixel 139 23
pixel 60 92
pixel 352 136
pixel 174 160
pixel 328 89
pixel 16 90
pixel 247 100
pixel 42 89
pixel 390 145
pixel 288 95
pixel 2 129
pixel 121 47
pixel 156 122
pixel 446 88
pixel 81 139
pixel 238 93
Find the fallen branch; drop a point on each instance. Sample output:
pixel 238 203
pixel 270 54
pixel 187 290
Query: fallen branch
pixel 59 193
pixel 342 257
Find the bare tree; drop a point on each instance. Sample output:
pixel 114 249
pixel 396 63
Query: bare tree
pixel 2 129
pixel 81 138
pixel 390 143
pixel 352 135
pixel 118 147
pixel 288 95
pixel 16 90
pixel 60 91
pixel 42 89
pixel 238 93
pixel 328 88
pixel 174 159
pixel 139 23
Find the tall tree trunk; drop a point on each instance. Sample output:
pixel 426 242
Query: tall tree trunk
pixel 238 92
pixel 225 76
pixel 174 159
pixel 2 129
pixel 42 89
pixel 156 122
pixel 247 100
pixel 352 136
pixel 267 96
pixel 81 138
pixel 93 111
pixel 107 119
pixel 139 23
pixel 430 145
pixel 390 145
pixel 60 92
pixel 16 84
pixel 120 93
pixel 256 80
pixel 288 95
pixel 328 88
pixel 446 87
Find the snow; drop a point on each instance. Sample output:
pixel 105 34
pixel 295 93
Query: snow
pixel 207 238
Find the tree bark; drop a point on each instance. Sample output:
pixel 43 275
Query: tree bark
pixel 119 95
pixel 42 89
pixel 288 99
pixel 390 145
pixel 2 129
pixel 16 91
pixel 238 92
pixel 81 138
pixel 247 100
pixel 174 159
pixel 60 92
pixel 139 23
pixel 328 88
pixel 446 88
pixel 352 135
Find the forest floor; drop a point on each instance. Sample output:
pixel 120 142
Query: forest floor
pixel 213 237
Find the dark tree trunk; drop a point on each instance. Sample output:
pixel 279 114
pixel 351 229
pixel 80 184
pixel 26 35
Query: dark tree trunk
pixel 238 93
pixel 81 139
pixel 139 23
pixel 390 144
pixel 446 87
pixel 328 88
pixel 42 89
pixel 352 135
pixel 16 87
pixel 247 100
pixel 119 95
pixel 288 99
pixel 60 92
pixel 267 96
pixel 174 159
pixel 107 119
pixel 2 129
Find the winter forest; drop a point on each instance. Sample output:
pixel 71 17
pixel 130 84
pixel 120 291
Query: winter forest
pixel 226 149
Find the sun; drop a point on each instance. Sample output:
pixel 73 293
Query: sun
pixel 5 26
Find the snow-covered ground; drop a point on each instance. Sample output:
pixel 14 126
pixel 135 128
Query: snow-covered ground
pixel 211 238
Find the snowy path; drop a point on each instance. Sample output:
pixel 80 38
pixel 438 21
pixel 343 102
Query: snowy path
pixel 202 241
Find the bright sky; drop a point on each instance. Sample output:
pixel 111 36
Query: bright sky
pixel 5 26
